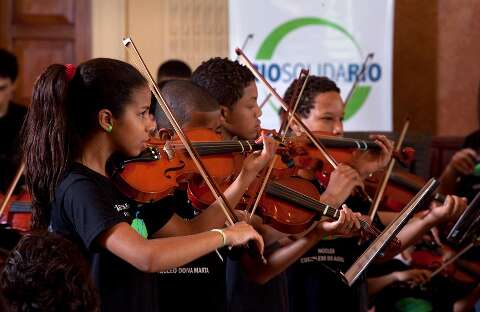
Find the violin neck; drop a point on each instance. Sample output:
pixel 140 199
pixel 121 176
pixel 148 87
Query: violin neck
pixel 332 142
pixel 226 147
pixel 283 192
pixel 413 187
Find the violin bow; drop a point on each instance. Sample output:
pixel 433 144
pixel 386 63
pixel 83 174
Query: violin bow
pixel 386 176
pixel 304 74
pixel 265 101
pixel 357 78
pixel 11 187
pixel 294 116
pixel 362 262
pixel 227 210
pixel 247 38
pixel 452 259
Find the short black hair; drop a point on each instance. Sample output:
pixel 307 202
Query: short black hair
pixel 173 68
pixel 184 96
pixel 8 65
pixel 224 79
pixel 47 272
pixel 315 85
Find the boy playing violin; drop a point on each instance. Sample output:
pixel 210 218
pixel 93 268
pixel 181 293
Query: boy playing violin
pixel 312 285
pixel 252 286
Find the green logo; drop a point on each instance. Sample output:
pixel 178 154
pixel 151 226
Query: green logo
pixel 271 42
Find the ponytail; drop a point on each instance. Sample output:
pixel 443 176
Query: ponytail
pixel 46 141
pixel 63 112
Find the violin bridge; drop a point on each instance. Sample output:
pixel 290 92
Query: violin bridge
pixel 169 150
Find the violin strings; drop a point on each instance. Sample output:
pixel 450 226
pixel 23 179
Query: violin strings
pixel 217 147
pixel 300 198
pixel 317 205
pixel 369 230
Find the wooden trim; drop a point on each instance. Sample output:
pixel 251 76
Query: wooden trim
pixel 83 30
pixel 5 21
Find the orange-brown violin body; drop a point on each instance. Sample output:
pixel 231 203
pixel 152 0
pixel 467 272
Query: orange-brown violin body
pixel 18 212
pixel 278 213
pixel 150 180
pixel 401 188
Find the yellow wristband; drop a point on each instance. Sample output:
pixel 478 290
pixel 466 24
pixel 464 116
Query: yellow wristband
pixel 224 237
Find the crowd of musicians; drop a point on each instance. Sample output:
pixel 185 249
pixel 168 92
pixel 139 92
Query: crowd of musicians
pixel 91 246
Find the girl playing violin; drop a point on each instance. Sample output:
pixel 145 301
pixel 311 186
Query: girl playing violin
pixel 312 287
pixel 80 117
pixel 233 86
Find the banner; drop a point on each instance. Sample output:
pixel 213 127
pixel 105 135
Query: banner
pixel 331 38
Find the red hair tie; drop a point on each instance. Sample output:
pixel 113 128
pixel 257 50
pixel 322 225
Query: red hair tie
pixel 69 71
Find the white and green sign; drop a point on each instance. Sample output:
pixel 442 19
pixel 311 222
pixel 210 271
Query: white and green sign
pixel 329 37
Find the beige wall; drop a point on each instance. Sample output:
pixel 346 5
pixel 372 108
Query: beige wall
pixel 108 28
pixel 190 30
pixel 436 51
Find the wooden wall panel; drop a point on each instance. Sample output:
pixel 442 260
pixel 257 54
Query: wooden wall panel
pixel 34 56
pixel 44 12
pixel 436 72
pixel 44 32
pixel 458 67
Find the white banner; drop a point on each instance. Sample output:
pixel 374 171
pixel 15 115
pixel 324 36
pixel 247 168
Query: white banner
pixel 331 38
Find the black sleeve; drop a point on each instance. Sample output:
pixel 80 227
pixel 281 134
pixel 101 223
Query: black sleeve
pixel 90 210
pixel 156 215
pixel 472 141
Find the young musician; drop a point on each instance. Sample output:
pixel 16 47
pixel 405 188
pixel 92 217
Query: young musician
pixel 250 286
pixel 462 174
pixel 11 119
pixel 201 281
pixel 193 106
pixel 173 70
pixel 313 286
pixel 80 117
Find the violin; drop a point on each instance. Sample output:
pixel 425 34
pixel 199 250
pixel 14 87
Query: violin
pixel 401 188
pixel 289 205
pixel 313 166
pixel 432 257
pixel 18 212
pixel 158 170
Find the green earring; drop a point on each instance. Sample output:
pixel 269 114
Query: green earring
pixel 109 128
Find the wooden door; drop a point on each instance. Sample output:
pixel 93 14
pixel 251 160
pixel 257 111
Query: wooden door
pixel 42 32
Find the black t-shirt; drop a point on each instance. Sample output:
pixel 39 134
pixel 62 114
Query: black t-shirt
pixel 10 126
pixel 198 285
pixel 244 295
pixel 314 282
pixel 86 204
pixel 469 185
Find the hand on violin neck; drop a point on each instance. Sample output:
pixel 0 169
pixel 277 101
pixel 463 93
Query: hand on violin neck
pixel 256 161
pixel 371 161
pixel 450 210
pixel 343 181
pixel 414 276
pixel 346 225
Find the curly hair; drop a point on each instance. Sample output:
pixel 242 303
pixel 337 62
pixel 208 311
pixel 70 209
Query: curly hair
pixel 315 86
pixel 46 272
pixel 224 79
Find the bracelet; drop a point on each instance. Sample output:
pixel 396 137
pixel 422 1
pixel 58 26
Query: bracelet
pixel 224 237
